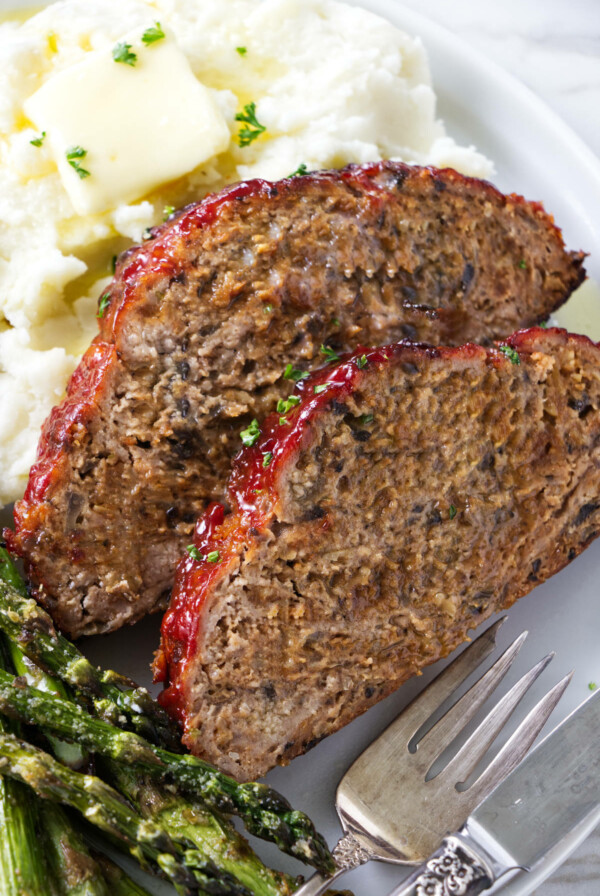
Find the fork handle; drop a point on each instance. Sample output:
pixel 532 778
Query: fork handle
pixel 348 854
pixel 454 870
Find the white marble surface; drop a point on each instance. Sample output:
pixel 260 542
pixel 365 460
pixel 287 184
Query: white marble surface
pixel 553 46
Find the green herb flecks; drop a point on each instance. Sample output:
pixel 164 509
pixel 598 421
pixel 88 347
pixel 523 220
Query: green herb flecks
pixel 329 354
pixel 121 52
pixel 251 434
pixel 103 304
pixel 292 373
pixel 213 557
pixel 153 34
pixel 318 389
pixel 73 155
pixel 194 552
pixel 510 353
pixel 523 264
pixel 335 322
pixel 283 421
pixel 593 686
pixel 267 458
pixel 268 309
pixel 37 141
pixel 365 419
pixel 251 127
pixel 452 511
pixel 113 264
pixel 300 171
pixel 361 362
pixel 286 404
pixel 168 211
pixel 241 50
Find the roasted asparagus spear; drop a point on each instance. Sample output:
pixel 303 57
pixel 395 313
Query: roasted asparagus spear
pixel 114 696
pixel 104 807
pixel 265 813
pixel 22 868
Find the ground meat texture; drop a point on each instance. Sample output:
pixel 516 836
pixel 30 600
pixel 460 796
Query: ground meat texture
pixel 199 324
pixel 348 564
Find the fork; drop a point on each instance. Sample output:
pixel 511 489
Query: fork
pixel 392 803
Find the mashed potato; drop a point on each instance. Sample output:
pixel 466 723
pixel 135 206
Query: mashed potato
pixel 331 84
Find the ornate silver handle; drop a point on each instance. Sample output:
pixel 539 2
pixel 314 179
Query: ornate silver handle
pixel 348 854
pixel 454 870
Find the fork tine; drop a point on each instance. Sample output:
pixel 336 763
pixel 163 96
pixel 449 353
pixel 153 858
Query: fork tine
pixel 444 684
pixel 453 722
pixel 479 742
pixel 518 744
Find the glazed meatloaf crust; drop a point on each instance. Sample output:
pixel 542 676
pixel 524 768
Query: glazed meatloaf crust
pixel 412 492
pixel 199 324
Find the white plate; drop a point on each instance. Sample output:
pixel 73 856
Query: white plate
pixel 536 154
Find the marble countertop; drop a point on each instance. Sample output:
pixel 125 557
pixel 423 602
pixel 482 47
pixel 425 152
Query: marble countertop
pixel 554 47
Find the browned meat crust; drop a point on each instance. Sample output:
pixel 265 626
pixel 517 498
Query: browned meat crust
pixel 417 492
pixel 203 319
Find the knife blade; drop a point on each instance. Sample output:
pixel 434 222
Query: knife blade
pixel 554 790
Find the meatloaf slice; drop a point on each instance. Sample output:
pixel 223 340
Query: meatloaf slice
pixel 412 492
pixel 199 324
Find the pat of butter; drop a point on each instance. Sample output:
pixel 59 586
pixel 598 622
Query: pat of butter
pixel 139 126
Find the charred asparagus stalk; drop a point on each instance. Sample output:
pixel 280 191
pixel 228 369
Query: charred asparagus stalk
pixel 70 754
pixel 264 812
pixel 214 836
pixel 22 868
pixel 103 807
pixel 71 865
pixel 113 696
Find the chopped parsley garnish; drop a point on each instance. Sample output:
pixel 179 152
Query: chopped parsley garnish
pixel 168 211
pixel 194 552
pixel 318 389
pixel 251 434
pixel 213 557
pixel 452 511
pixel 329 354
pixel 510 353
pixel 267 309
pixel 283 421
pixel 300 171
pixel 267 458
pixel 37 141
pixel 251 128
pixel 121 52
pixel 103 304
pixel 73 154
pixel 364 419
pixel 335 322
pixel 292 373
pixel 522 264
pixel 544 324
pixel 361 362
pixel 285 405
pixel 113 264
pixel 593 686
pixel 151 35
pixel 241 50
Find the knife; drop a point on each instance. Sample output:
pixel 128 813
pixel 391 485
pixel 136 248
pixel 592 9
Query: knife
pixel 554 790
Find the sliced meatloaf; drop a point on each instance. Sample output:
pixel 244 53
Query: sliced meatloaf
pixel 196 331
pixel 409 493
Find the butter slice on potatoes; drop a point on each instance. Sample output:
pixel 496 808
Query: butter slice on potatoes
pixel 139 125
